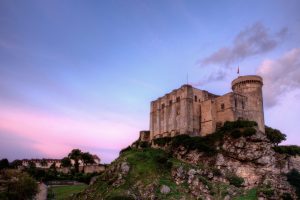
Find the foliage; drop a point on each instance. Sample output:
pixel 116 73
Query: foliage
pixel 66 162
pixel 236 133
pixel 162 141
pixel 202 144
pixel 18 185
pixel 87 158
pixel 238 124
pixel 44 162
pixel 16 163
pixel 4 164
pixel 250 195
pixel 249 132
pixel 144 144
pixel 75 155
pixel 286 196
pixel 266 190
pixel 235 180
pixel 292 150
pixel 293 178
pixel 274 135
pixel 125 149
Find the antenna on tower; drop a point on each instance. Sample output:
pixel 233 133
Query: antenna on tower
pixel 187 78
pixel 238 70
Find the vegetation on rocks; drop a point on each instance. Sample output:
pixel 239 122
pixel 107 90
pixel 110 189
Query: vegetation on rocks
pixel 236 162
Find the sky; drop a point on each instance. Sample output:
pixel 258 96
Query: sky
pixel 82 74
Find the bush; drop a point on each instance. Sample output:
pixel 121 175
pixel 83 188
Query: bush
pixel 235 180
pixel 286 196
pixel 144 144
pixel 236 133
pixel 238 124
pixel 125 149
pixel 249 132
pixel 293 178
pixel 162 141
pixel 274 135
pixel 18 185
pixel 291 150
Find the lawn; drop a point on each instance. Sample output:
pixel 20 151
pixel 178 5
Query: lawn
pixel 64 191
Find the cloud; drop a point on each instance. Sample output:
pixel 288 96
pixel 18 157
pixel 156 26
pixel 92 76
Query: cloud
pixel 54 136
pixel 217 76
pixel 280 76
pixel 253 40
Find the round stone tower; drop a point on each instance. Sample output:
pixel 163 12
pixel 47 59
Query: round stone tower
pixel 251 87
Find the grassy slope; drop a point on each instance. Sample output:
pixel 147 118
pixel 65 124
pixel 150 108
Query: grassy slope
pixel 152 166
pixel 63 192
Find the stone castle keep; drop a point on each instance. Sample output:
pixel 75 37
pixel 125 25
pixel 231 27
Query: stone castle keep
pixel 188 110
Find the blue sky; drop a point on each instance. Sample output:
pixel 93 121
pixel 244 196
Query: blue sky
pixel 83 73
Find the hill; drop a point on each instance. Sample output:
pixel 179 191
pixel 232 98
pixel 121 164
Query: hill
pixel 236 162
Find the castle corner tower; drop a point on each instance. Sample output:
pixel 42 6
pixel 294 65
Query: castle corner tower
pixel 251 87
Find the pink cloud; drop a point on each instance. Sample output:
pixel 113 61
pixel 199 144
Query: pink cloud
pixel 55 135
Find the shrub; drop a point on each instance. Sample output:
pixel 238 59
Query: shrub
pixel 235 180
pixel 125 149
pixel 293 178
pixel 217 172
pixel 286 196
pixel 144 144
pixel 236 133
pixel 249 132
pixel 274 135
pixel 162 141
pixel 238 124
pixel 18 185
pixel 291 150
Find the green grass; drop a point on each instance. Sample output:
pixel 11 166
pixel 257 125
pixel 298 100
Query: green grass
pixel 250 195
pixel 65 191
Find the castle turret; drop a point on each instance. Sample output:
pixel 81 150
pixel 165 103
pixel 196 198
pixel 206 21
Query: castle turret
pixel 251 87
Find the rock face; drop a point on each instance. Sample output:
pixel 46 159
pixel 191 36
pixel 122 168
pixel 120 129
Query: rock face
pixel 251 158
pixel 240 165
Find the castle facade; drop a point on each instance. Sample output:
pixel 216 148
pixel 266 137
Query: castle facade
pixel 188 110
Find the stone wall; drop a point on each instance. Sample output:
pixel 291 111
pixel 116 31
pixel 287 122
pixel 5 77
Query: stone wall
pixel 192 111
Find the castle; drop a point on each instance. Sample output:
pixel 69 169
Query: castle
pixel 188 110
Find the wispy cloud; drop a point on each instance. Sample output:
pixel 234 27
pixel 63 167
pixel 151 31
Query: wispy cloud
pixel 253 40
pixel 281 75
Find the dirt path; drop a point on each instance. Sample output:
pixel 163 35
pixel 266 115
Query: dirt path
pixel 42 195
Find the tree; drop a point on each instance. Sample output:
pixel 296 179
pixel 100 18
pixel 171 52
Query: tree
pixel 16 163
pixel 66 162
pixel 18 185
pixel 4 164
pixel 44 162
pixel 76 156
pixel 87 158
pixel 274 135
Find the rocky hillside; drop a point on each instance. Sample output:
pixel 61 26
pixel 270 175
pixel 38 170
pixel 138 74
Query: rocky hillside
pixel 237 162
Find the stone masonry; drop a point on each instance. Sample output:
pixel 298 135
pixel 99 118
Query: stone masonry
pixel 196 112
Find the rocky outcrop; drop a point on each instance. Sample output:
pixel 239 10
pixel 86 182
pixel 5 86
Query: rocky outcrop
pixel 238 165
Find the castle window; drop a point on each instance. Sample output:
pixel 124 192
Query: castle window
pixel 178 99
pixel 163 106
pixel 170 102
pixel 243 104
pixel 222 106
pixel 235 103
pixel 195 98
